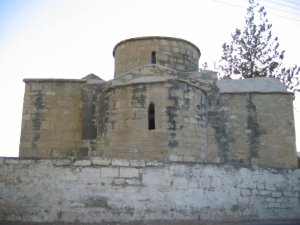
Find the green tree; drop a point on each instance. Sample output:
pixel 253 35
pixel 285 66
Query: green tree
pixel 253 52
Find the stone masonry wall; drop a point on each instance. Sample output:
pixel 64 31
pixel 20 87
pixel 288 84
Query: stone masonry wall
pixel 196 120
pixel 275 130
pixel 180 122
pixel 174 53
pixel 253 128
pixel 123 123
pixel 52 118
pixel 103 189
pixel 91 93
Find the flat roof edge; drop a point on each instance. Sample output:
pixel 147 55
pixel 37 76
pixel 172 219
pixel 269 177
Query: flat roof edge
pixel 257 92
pixel 251 85
pixel 156 37
pixel 26 80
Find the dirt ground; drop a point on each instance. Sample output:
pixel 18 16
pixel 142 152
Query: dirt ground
pixel 254 222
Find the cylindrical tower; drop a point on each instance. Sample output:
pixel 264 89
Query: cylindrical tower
pixel 153 121
pixel 175 53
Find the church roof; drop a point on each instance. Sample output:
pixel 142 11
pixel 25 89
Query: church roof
pixel 91 76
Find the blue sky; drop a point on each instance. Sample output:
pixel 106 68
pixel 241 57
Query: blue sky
pixel 72 38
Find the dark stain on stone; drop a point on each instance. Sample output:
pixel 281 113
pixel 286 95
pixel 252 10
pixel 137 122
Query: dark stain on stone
pixel 172 113
pixel 253 126
pixel 138 96
pixel 218 118
pixel 38 103
pixel 90 96
pixel 97 202
pixel 84 151
pixel 235 208
pixel 59 214
pixel 201 112
pixel 103 114
pixel 222 135
pixel 186 99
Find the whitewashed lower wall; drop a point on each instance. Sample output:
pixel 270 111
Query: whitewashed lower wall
pixel 99 189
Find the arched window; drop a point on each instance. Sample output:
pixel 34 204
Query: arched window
pixel 151 116
pixel 153 57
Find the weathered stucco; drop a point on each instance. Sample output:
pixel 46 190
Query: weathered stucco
pixel 103 189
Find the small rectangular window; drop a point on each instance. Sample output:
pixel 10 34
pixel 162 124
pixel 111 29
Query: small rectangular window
pixel 151 117
pixel 153 57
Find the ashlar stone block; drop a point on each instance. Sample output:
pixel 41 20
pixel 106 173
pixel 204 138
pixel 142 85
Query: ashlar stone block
pixel 129 172
pixel 99 161
pixel 245 192
pixel 61 162
pixel 120 162
pixel 137 163
pixel 83 163
pixel 154 163
pixel 276 194
pixel 155 177
pixel 110 172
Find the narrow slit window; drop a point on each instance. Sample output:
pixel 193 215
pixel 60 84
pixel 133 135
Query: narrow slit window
pixel 151 117
pixel 153 57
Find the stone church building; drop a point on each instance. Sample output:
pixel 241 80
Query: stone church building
pixel 160 107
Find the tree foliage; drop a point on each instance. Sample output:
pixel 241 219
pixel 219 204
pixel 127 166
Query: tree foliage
pixel 290 77
pixel 253 52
